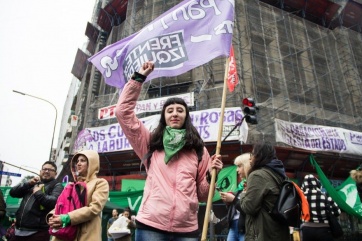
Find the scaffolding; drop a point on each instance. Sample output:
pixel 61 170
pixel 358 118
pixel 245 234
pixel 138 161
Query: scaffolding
pixel 297 70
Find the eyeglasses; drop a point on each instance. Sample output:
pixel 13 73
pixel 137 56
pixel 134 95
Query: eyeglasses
pixel 47 170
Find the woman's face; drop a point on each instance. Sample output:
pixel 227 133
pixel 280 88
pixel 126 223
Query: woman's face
pixel 240 170
pixel 175 115
pixel 126 214
pixel 82 166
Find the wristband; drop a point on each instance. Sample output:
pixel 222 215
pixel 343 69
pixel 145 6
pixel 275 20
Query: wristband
pixel 138 77
pixel 65 220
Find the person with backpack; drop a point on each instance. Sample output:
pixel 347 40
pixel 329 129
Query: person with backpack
pixel 236 219
pixel 177 162
pixel 317 229
pixel 39 196
pixel 85 167
pixel 261 195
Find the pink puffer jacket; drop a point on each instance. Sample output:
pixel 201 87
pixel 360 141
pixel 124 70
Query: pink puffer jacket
pixel 172 192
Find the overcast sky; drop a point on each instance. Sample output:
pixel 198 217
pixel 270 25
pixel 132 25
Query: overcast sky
pixel 38 43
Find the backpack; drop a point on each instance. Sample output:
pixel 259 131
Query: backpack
pixel 70 199
pixel 288 207
pixel 10 232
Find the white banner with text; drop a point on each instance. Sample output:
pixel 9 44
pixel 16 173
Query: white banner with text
pixel 111 138
pixel 318 138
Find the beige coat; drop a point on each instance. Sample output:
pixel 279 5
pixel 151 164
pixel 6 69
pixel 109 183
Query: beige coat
pixel 89 217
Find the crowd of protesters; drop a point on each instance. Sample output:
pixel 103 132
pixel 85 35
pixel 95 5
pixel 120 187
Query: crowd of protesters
pixel 179 171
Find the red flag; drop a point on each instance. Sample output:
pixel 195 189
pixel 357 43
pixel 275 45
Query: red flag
pixel 232 74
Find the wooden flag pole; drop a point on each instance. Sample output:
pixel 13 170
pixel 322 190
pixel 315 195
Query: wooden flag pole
pixel 218 147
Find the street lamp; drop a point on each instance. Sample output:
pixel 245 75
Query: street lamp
pixel 55 122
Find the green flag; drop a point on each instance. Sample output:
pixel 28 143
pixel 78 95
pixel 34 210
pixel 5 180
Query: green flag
pixel 345 195
pixel 226 181
pixel 127 199
pixel 131 185
pixel 12 204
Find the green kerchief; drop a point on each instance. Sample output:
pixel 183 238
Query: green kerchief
pixel 241 185
pixel 65 220
pixel 173 141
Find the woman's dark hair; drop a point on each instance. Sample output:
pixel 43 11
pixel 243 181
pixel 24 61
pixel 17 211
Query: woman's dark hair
pixel 193 139
pixel 263 153
pixel 127 209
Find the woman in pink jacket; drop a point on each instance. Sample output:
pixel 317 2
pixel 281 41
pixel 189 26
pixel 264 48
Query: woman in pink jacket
pixel 178 166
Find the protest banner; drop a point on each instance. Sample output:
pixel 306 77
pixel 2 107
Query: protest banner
pixel 188 35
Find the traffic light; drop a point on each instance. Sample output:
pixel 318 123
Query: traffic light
pixel 250 111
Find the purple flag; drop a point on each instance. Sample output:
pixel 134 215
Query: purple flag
pixel 188 35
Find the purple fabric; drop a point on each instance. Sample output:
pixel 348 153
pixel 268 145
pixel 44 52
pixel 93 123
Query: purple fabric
pixel 188 35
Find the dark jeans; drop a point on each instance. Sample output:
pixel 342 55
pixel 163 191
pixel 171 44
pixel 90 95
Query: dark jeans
pixel 42 235
pixel 316 234
pixel 148 235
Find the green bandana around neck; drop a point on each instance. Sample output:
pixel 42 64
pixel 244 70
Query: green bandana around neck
pixel 173 141
pixel 242 184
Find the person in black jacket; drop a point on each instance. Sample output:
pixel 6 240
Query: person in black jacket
pixel 39 196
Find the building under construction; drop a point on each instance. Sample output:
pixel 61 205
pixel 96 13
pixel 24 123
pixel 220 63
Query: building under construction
pixel 300 60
